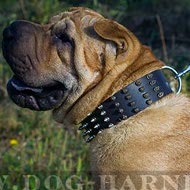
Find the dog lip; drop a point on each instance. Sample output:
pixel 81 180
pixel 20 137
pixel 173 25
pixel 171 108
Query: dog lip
pixel 39 99
pixel 20 86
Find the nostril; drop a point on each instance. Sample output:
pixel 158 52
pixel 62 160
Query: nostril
pixel 8 34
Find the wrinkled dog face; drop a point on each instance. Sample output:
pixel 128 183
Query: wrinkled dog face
pixel 55 64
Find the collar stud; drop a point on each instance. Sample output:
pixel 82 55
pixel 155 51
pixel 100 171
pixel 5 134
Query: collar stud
pixel 149 76
pixel 106 119
pixel 141 89
pixel 100 107
pixel 128 97
pixel 138 82
pixel 124 91
pixel 149 102
pixel 156 89
pixel 160 94
pixel 103 112
pixel 146 95
pixel 113 98
pixel 152 83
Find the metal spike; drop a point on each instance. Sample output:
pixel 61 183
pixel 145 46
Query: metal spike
pixel 124 91
pixel 128 97
pixel 106 119
pixel 110 125
pixel 93 120
pixel 121 110
pixel 117 104
pixel 138 82
pixel 160 94
pixel 96 126
pixel 136 110
pixel 141 89
pixel 100 107
pixel 83 126
pixel 132 104
pixel 149 76
pixel 149 102
pixel 103 113
pixel 152 83
pixel 124 117
pixel 87 132
pixel 113 98
pixel 90 138
pixel 156 89
pixel 145 95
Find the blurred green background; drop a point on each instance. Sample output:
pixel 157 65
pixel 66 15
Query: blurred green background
pixel 31 142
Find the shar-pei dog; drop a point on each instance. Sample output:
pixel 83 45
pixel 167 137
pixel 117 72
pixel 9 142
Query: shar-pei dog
pixel 94 72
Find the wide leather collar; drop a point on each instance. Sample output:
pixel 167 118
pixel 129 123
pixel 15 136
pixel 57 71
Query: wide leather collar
pixel 125 103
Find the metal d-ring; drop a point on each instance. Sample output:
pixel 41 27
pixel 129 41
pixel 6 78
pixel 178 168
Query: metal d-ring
pixel 177 76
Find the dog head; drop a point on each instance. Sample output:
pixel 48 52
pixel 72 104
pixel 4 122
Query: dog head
pixel 58 65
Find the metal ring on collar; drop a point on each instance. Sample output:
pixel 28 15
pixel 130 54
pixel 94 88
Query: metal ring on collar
pixel 177 77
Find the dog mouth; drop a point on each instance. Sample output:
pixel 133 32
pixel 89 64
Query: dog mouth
pixel 35 98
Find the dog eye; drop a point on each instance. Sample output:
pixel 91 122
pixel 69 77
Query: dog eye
pixel 64 38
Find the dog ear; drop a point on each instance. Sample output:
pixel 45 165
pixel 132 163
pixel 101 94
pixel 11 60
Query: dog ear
pixel 127 44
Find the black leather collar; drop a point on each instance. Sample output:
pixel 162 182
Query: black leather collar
pixel 127 102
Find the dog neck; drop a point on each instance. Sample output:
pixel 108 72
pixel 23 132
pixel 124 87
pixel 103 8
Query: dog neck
pixel 125 103
pixel 145 63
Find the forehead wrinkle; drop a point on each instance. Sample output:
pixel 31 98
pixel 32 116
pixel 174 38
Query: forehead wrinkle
pixel 88 20
pixel 59 17
pixel 76 12
pixel 84 11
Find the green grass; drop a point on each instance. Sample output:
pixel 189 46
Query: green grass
pixel 44 148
